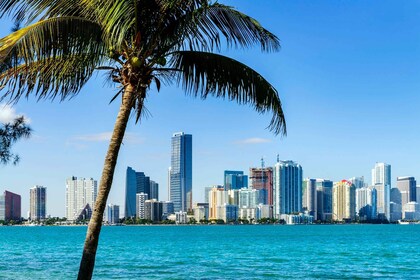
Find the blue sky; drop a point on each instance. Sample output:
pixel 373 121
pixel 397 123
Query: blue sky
pixel 348 76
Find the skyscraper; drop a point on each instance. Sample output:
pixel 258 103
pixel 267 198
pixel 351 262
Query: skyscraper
pixel 181 172
pixel 381 174
pixel 79 193
pixel 140 204
pixel 407 188
pixel 324 199
pixel 10 206
pixel 113 214
pixel 344 201
pixel 262 180
pixel 309 196
pixel 383 192
pixel 37 203
pixel 235 180
pixel 287 190
pixel 154 190
pixel 136 182
pixel 366 203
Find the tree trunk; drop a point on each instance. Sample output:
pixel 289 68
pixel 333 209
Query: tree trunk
pixel 92 237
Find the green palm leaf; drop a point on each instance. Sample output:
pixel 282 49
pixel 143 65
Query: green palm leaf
pixel 203 74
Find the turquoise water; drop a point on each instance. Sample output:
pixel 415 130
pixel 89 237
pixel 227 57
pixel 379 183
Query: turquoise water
pixel 216 252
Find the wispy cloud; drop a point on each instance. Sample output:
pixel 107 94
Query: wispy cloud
pixel 255 140
pixel 8 114
pixel 130 138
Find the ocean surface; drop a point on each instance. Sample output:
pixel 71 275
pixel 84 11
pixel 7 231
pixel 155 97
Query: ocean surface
pixel 216 252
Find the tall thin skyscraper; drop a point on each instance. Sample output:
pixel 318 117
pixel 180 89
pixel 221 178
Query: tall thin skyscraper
pixel 381 174
pixel 309 196
pixel 37 203
pixel 113 214
pixel 181 172
pixel 324 199
pixel 79 193
pixel 287 190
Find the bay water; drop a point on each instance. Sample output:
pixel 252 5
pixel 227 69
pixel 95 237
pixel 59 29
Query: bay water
pixel 216 252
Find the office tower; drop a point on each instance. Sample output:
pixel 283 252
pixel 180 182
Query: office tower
pixel 383 200
pixel 154 190
pixel 153 210
pixel 235 180
pixel 395 211
pixel 207 190
pixel 181 172
pixel 381 174
pixel 344 201
pixel 411 211
pixel 227 212
pixel 217 197
pixel 287 188
pixel 407 188
pixel 112 214
pixel 248 198
pixel 418 194
pixel 140 202
pixel 309 196
pixel 37 203
pixel 262 179
pixel 366 203
pixel 79 193
pixel 136 182
pixel 167 208
pixel 358 182
pixel 324 199
pixel 169 183
pixel 10 206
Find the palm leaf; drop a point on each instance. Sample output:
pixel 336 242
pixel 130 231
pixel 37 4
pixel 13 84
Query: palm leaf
pixel 202 74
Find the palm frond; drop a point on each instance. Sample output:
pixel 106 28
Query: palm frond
pixel 203 74
pixel 61 76
pixel 53 37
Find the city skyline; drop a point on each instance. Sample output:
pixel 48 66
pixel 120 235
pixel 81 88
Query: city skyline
pixel 325 94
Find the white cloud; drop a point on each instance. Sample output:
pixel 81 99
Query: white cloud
pixel 254 140
pixel 129 138
pixel 8 114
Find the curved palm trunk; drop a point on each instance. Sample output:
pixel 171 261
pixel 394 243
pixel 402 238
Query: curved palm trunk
pixel 92 237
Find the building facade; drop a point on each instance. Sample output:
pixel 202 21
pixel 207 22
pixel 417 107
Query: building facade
pixel 79 193
pixel 112 214
pixel 37 203
pixel 262 179
pixel 181 172
pixel 235 180
pixel 137 182
pixel 10 207
pixel 140 205
pixel 287 190
pixel 408 189
pixel 324 199
pixel 309 196
pixel 366 203
pixel 344 201
pixel 381 174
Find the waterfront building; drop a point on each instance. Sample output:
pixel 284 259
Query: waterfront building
pixel 137 182
pixel 287 188
pixel 154 190
pixel 383 193
pixel 249 214
pixel 407 188
pixel 181 172
pixel 395 212
pixel 264 211
pixel 344 201
pixel 233 196
pixel 309 196
pixel 153 210
pixel 37 203
pixel 262 179
pixel 84 214
pixel 140 205
pixel 235 180
pixel 10 206
pixel 207 191
pixel 395 196
pixel 418 194
pixel 181 217
pixel 79 193
pixel 201 211
pixel 324 199
pixel 217 197
pixel 248 198
pixel 366 203
pixel 381 174
pixel 112 214
pixel 167 209
pixel 411 211
pixel 297 219
pixel 358 182
pixel 227 212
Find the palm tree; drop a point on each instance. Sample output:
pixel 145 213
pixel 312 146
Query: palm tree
pixel 9 134
pixel 139 43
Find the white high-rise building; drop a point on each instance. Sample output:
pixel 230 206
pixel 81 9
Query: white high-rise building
pixel 383 193
pixel 287 188
pixel 140 205
pixel 79 193
pixel 366 203
pixel 381 174
pixel 309 196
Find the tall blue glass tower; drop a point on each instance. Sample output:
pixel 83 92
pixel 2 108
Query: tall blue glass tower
pixel 181 172
pixel 135 182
